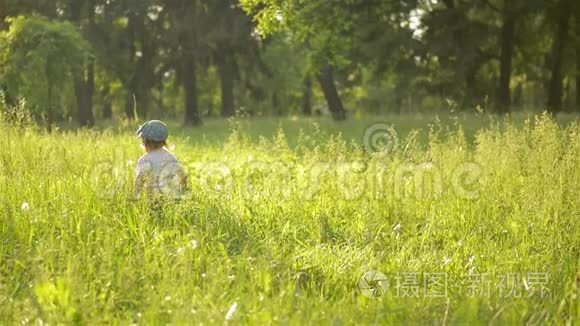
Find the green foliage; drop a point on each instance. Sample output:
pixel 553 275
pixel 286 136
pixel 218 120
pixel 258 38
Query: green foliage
pixel 38 59
pixel 382 56
pixel 310 23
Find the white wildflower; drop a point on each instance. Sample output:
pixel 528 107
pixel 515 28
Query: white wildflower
pixel 25 206
pixel 193 244
pixel 231 311
pixel 398 228
pixel 279 17
pixel 446 260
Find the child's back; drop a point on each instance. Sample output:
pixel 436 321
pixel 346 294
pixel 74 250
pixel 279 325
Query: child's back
pixel 156 160
pixel 158 171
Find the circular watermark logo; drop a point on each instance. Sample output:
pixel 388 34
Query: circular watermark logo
pixel 105 180
pixel 465 180
pixel 380 138
pixel 373 284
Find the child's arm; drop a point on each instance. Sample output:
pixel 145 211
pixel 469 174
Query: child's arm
pixel 141 172
pixel 139 184
pixel 183 178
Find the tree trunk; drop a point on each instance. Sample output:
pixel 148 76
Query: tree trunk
pixel 84 93
pixel 107 109
pixel 141 82
pixel 139 90
pixel 276 104
pixel 49 118
pixel 555 88
pixel 129 83
pixel 8 100
pixel 507 49
pixel 449 3
pixel 577 16
pixel 307 96
pixel 142 85
pixel 107 104
pixel 226 72
pixel 326 80
pixel 49 9
pixel 143 102
pixel 80 94
pixel 471 97
pixel 566 102
pixel 84 86
pixel 90 83
pixel 188 77
pixel 129 106
pixel 49 94
pixel 398 103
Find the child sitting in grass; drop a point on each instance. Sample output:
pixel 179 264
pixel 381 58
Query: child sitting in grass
pixel 158 172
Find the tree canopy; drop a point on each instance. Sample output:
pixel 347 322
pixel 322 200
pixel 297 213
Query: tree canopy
pixel 196 59
pixel 39 58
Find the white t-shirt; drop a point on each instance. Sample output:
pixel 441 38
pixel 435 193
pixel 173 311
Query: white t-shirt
pixel 159 171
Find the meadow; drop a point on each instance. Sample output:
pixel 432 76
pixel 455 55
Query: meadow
pixel 383 220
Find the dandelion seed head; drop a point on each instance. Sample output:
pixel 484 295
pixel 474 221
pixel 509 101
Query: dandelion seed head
pixel 446 260
pixel 398 228
pixel 231 311
pixel 193 244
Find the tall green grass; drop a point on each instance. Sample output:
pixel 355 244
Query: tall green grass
pixel 285 229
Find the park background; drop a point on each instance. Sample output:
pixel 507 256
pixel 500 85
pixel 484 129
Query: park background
pixel 87 61
pixel 350 162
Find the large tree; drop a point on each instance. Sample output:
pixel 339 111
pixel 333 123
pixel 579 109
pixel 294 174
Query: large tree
pixel 577 48
pixel 229 38
pixel 82 14
pixel 37 47
pixel 185 50
pixel 559 14
pixel 313 25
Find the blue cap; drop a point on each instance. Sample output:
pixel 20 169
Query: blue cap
pixel 154 130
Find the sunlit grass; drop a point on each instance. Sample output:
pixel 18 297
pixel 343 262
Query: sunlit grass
pixel 260 240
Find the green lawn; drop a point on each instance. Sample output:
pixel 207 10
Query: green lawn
pixel 478 224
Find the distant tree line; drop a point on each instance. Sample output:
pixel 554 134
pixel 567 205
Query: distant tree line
pixel 96 59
